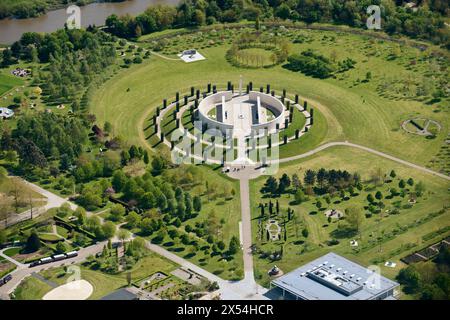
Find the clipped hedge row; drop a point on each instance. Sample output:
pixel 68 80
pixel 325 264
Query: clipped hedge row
pixel 70 225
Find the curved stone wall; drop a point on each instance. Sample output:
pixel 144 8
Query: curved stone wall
pixel 274 105
pixel 209 103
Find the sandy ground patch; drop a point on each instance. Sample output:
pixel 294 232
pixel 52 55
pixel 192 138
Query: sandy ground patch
pixel 336 214
pixel 75 290
pixel 191 57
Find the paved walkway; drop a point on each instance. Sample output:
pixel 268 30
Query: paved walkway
pixel 373 151
pixel 164 57
pixel 17 263
pixel 229 290
pixel 246 226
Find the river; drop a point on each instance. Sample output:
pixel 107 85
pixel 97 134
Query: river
pixel 95 13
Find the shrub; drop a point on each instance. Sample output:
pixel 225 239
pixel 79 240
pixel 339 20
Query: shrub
pixel 332 242
pixel 61 247
pixel 311 64
pixel 33 242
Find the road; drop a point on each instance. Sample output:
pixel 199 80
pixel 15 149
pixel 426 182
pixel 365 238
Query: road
pixel 246 227
pixel 164 57
pixel 24 271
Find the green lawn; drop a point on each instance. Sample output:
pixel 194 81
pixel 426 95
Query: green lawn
pixel 227 214
pixel 48 237
pixel 63 232
pixel 347 107
pixel 353 109
pixel 34 289
pixel 295 254
pixel 310 140
pixel 254 57
pixel 11 252
pixel 31 289
pixel 298 122
pixel 102 283
pixel 7 82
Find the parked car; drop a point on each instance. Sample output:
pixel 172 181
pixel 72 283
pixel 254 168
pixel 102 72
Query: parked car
pixel 5 280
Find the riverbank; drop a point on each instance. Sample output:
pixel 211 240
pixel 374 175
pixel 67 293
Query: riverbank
pixel 24 9
pixel 92 13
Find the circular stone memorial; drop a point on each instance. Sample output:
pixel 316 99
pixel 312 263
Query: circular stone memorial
pixel 236 127
pixel 240 115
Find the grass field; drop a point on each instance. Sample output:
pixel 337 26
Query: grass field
pixel 351 106
pixel 31 289
pixel 10 252
pixel 296 254
pixel 254 57
pixel 353 109
pixel 7 82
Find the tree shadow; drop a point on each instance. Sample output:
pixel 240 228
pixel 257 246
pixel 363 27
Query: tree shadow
pixel 189 255
pixel 157 144
pixel 343 232
pixel 169 244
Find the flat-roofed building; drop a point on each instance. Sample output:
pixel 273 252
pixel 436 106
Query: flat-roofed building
pixel 333 277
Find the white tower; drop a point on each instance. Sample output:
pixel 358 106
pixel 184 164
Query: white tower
pixel 240 85
pixel 223 109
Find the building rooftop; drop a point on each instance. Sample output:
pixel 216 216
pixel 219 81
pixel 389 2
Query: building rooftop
pixel 120 294
pixel 332 277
